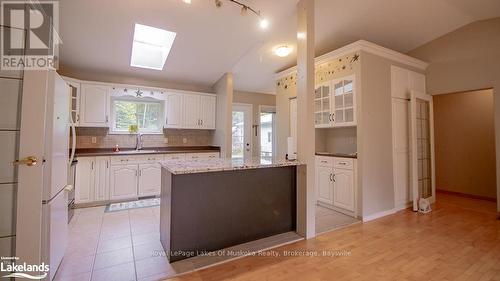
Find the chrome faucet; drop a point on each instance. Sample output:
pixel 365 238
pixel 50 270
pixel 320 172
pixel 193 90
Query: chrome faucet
pixel 138 141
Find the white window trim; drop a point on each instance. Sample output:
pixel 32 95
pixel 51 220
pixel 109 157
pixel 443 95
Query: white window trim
pixel 112 130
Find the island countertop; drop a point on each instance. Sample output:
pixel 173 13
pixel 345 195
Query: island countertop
pixel 179 167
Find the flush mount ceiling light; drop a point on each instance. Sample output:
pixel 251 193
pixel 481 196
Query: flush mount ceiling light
pixel 283 51
pixel 151 46
pixel 263 23
pixel 187 1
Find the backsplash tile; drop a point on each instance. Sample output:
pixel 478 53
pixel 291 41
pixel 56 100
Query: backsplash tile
pixel 175 138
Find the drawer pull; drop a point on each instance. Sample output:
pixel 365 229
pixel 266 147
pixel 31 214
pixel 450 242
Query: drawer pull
pixel 343 163
pixel 324 161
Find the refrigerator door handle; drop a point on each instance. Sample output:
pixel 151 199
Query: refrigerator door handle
pixel 73 139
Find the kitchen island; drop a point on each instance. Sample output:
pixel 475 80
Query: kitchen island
pixel 209 205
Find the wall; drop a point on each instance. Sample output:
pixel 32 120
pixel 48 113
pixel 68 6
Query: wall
pixel 174 138
pixel 224 90
pixel 463 60
pixel 256 100
pixel 465 143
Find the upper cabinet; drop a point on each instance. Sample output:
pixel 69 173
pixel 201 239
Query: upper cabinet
pixel 403 81
pixel 335 103
pixel 173 106
pixel 94 105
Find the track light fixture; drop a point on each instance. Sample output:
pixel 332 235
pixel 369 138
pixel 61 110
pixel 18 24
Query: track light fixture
pixel 264 23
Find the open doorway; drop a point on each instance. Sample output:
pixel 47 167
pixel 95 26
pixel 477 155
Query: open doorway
pixel 465 144
pixel 267 126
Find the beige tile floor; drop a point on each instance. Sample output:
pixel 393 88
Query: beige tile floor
pixel 327 220
pixel 125 246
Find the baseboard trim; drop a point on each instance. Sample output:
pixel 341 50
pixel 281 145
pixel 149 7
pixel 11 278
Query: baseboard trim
pixel 378 215
pixel 479 197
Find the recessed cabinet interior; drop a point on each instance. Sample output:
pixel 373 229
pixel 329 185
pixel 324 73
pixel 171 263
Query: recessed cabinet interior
pixel 335 103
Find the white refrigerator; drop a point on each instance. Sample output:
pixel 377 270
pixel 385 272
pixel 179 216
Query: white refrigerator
pixel 54 236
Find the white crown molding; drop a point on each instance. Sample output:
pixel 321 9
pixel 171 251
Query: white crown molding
pixel 362 45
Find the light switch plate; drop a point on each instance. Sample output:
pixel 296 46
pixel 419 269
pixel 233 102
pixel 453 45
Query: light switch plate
pixel 184 140
pixel 94 139
pixel 165 140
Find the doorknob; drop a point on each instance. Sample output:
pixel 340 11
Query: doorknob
pixel 28 161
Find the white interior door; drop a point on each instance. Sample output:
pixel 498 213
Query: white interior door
pixel 422 176
pixel 242 131
pixel 401 152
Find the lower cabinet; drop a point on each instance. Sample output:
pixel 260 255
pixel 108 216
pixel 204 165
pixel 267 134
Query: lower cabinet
pixel 92 179
pixel 343 189
pixel 123 182
pixel 100 179
pixel 335 182
pixel 149 179
pixel 324 184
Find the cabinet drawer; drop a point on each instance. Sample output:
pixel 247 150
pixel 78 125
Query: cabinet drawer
pixel 343 163
pixel 202 156
pixel 153 158
pixel 324 161
pixel 175 156
pixel 125 159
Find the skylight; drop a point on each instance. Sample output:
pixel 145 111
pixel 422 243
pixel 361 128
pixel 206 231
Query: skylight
pixel 151 46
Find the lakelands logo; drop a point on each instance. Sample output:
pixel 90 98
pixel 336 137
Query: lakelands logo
pixel 29 38
pixel 23 270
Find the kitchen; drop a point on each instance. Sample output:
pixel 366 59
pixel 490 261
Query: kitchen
pixel 158 147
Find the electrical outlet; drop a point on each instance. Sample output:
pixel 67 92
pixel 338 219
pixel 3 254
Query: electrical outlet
pixel 184 140
pixel 94 139
pixel 165 140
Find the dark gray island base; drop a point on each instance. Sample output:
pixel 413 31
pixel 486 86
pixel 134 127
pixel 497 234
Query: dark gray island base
pixel 205 211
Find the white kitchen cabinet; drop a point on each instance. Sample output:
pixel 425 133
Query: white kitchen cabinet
pixel 123 182
pixel 208 106
pixel 94 105
pixel 324 184
pixel 173 110
pixel 101 189
pixel 191 110
pixel 74 104
pixel 199 111
pixel 149 179
pixel 85 180
pixel 335 103
pixel 343 189
pixel 335 183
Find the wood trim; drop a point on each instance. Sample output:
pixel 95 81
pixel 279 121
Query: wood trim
pixel 465 195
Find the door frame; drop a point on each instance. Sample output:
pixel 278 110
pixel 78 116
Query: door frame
pixel 414 146
pixel 268 109
pixel 249 107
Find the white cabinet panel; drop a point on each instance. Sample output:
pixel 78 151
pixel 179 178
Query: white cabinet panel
pixel 123 182
pixel 208 105
pixel 343 196
pixel 11 91
pixel 102 179
pixel 324 184
pixel 17 37
pixel 149 179
pixel 173 108
pixel 94 105
pixel 7 209
pixel 191 111
pixel 9 152
pixel 85 180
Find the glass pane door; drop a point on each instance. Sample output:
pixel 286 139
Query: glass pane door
pixel 267 121
pixel 422 154
pixel 322 112
pixel 241 132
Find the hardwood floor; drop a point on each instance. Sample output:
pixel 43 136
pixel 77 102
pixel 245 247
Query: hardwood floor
pixel 459 240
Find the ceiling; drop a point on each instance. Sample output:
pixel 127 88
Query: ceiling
pixel 97 35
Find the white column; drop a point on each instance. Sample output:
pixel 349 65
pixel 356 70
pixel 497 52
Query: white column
pixel 305 116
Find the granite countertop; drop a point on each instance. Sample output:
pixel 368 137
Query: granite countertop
pixel 147 150
pixel 341 155
pixel 179 167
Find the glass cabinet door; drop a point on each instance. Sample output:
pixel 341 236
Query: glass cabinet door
pixel 322 114
pixel 344 101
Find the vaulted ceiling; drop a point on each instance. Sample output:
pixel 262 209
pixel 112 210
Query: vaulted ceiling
pixel 97 35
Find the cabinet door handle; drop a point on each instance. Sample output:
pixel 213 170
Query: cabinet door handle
pixel 330 117
pixel 107 164
pixel 140 173
pixel 92 165
pixel 77 117
pixel 202 122
pixel 331 177
pixel 107 118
